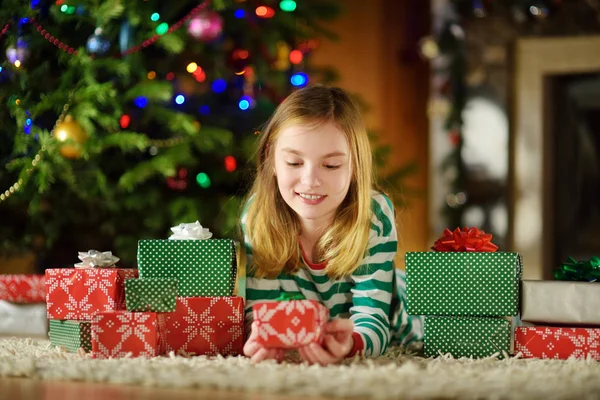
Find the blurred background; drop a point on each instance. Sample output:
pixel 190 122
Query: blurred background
pixel 122 119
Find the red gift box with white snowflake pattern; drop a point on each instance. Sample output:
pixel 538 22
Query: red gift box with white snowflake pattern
pixel 206 326
pixel 117 334
pixel 557 342
pixel 290 324
pixel 79 293
pixel 23 288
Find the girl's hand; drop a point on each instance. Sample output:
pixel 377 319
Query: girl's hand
pixel 337 344
pixel 257 352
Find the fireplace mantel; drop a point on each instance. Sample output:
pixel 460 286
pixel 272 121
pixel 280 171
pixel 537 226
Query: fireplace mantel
pixel 536 59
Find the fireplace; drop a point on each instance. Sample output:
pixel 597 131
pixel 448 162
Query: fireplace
pixel 554 163
pixel 574 131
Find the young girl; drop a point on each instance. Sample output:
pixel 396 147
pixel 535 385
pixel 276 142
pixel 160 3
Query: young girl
pixel 314 225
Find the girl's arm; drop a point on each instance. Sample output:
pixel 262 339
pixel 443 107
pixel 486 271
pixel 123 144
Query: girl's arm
pixel 372 293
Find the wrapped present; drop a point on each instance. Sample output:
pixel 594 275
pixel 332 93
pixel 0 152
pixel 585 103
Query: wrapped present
pixel 557 343
pixel 78 293
pixel 203 267
pixel 72 335
pixel 463 284
pixel 23 319
pixel 23 288
pixel 206 326
pixel 115 334
pixel 289 324
pixel 476 337
pixel 560 302
pixel 151 294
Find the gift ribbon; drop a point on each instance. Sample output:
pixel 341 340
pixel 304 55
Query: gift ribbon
pixel 193 231
pixel 96 259
pixel 573 270
pixel 465 239
pixel 290 296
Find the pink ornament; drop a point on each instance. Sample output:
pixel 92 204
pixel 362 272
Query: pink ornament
pixel 206 26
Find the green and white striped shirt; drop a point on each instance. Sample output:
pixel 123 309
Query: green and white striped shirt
pixel 369 296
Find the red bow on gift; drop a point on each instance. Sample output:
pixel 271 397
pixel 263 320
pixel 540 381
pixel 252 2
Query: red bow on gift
pixel 465 239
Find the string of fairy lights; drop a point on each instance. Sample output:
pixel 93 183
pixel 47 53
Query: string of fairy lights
pixel 36 159
pixel 202 23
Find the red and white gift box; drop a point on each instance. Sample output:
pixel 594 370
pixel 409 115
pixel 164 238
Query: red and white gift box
pixel 290 324
pixel 79 293
pixel 206 326
pixel 115 334
pixel 557 343
pixel 23 288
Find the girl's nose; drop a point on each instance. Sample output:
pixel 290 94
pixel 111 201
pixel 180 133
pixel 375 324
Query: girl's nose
pixel 310 177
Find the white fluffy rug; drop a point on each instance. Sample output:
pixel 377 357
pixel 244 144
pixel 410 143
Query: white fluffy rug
pixel 396 374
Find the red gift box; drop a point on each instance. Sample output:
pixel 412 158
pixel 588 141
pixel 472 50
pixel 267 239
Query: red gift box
pixel 117 333
pixel 79 293
pixel 557 343
pixel 290 324
pixel 206 326
pixel 23 288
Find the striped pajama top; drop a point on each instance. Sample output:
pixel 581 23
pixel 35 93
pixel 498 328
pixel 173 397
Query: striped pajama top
pixel 368 297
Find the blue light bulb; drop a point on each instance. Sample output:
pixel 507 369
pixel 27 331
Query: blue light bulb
pixel 299 79
pixel 219 85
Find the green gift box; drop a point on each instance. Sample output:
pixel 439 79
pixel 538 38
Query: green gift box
pixel 475 337
pixel 463 283
pixel 151 294
pixel 72 335
pixel 201 267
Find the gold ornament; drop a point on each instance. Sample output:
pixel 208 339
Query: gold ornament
pixel 429 47
pixel 72 135
pixel 282 62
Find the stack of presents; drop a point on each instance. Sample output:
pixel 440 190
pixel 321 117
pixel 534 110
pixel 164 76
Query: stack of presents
pixel 22 305
pixel 180 299
pixel 475 303
pixel 186 297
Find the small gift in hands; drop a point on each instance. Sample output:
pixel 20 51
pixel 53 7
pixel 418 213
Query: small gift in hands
pixel 290 322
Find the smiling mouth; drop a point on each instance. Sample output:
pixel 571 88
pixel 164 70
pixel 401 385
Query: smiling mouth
pixel 311 196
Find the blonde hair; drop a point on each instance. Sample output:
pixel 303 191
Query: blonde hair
pixel 274 235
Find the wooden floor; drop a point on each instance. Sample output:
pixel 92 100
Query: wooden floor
pixel 23 388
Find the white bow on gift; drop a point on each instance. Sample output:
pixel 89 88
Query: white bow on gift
pixel 96 259
pixel 193 231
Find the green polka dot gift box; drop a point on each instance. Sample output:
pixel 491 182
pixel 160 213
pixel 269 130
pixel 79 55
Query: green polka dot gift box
pixel 201 267
pixel 151 294
pixel 463 283
pixel 475 337
pixel 72 335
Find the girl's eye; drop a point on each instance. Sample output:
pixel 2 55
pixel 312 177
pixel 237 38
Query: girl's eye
pixel 332 166
pixel 292 164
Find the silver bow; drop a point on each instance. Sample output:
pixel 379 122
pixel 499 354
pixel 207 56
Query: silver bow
pixel 96 259
pixel 193 231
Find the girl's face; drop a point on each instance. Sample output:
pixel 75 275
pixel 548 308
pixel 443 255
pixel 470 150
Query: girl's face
pixel 313 171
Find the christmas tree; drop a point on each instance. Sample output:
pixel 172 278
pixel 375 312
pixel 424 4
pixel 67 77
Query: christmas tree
pixel 121 119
